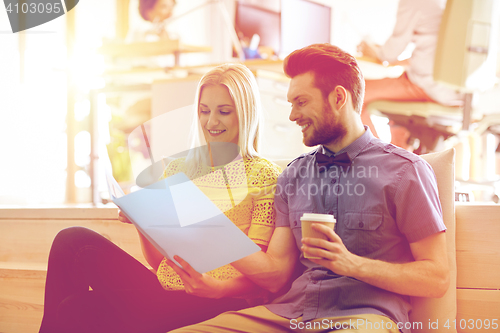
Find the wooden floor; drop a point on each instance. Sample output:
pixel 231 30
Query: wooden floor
pixel 21 298
pixel 25 239
pixel 478 267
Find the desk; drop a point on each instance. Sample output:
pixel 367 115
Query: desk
pixel 151 49
pixel 373 70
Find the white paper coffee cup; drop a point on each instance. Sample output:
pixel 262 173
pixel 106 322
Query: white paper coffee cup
pixel 308 219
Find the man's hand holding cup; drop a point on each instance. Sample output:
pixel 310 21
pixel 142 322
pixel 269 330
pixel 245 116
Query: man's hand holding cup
pixel 307 220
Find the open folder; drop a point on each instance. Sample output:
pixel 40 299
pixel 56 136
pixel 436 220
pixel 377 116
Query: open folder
pixel 179 219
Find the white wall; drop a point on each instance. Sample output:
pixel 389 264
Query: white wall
pixel 356 19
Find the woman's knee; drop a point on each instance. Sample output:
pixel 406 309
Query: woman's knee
pixel 75 236
pixel 70 233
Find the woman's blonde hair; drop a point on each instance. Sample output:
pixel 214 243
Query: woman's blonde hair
pixel 242 87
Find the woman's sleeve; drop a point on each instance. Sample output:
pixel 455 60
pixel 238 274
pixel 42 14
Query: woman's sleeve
pixel 172 168
pixel 264 178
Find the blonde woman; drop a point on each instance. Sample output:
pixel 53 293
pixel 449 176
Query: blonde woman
pixel 126 296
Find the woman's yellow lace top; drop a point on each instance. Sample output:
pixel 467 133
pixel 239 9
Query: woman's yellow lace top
pixel 244 191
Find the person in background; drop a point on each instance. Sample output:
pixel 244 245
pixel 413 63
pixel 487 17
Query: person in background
pixel 94 286
pixel 389 241
pixel 417 22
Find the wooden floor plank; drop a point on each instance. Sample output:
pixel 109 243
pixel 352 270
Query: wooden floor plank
pixel 29 240
pixel 82 212
pixel 19 317
pixel 476 308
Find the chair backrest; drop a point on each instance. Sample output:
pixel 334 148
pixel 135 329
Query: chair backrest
pixel 467 45
pixel 442 309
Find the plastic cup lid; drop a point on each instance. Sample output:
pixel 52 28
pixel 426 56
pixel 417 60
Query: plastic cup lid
pixel 317 217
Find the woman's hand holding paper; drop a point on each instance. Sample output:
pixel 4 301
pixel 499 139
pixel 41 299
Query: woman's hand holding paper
pixel 123 218
pixel 197 284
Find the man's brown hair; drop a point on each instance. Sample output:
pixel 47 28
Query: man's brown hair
pixel 331 67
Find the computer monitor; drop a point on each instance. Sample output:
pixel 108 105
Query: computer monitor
pixel 252 19
pixel 303 23
pixel 298 23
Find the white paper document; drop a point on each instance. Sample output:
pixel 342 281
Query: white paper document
pixel 179 219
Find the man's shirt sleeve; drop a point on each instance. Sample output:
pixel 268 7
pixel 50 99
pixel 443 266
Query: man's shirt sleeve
pixel 281 202
pixel 417 205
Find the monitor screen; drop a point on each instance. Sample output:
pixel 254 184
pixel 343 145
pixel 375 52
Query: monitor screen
pixel 303 23
pixel 251 19
pixel 298 23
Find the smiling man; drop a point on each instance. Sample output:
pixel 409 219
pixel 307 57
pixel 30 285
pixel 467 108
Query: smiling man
pixel 388 243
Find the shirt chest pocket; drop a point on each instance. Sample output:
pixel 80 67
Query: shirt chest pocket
pixel 361 232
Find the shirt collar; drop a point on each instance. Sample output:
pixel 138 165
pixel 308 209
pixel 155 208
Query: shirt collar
pixel 354 148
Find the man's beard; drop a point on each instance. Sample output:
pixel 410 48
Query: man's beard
pixel 330 130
